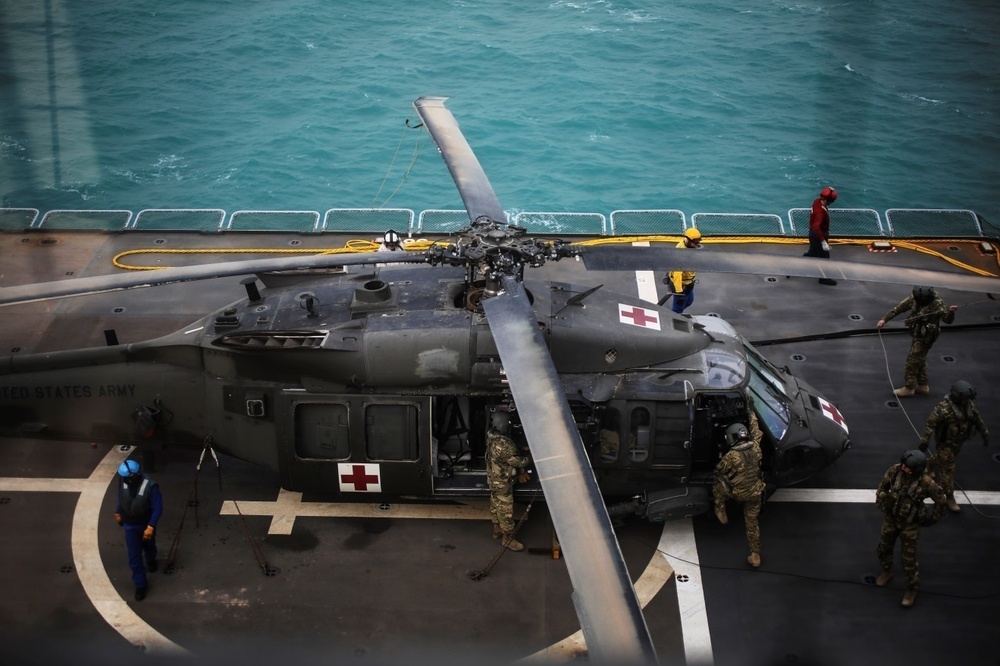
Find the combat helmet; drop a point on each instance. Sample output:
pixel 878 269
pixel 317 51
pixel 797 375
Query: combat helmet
pixel 962 391
pixel 924 294
pixel 500 420
pixel 829 194
pixel 915 459
pixel 736 433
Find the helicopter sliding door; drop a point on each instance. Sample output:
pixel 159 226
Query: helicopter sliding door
pixel 642 445
pixel 354 444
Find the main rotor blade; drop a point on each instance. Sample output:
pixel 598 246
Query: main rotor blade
pixel 468 174
pixel 45 291
pixel 617 258
pixel 609 612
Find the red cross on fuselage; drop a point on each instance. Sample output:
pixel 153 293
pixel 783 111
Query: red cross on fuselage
pixel 358 478
pixel 639 316
pixel 834 413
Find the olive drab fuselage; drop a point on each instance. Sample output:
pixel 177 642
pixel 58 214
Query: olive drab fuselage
pixel 381 380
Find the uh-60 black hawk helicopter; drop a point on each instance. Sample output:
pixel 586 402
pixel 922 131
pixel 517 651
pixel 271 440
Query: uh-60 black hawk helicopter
pixel 381 378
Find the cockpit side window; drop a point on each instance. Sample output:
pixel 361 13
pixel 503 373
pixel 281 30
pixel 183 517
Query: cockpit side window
pixel 760 366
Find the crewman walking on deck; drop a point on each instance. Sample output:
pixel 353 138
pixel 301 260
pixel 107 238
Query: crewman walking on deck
pixel 901 496
pixel 952 422
pixel 738 476
pixel 140 505
pixel 681 283
pixel 503 462
pixel 927 311
pixel 819 228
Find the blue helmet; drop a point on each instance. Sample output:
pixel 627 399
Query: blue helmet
pixel 128 468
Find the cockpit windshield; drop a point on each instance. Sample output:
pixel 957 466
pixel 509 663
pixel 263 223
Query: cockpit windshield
pixel 724 368
pixel 770 394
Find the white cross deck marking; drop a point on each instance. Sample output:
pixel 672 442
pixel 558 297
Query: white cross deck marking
pixel 289 506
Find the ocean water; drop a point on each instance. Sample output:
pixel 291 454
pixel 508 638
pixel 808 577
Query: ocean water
pixel 571 105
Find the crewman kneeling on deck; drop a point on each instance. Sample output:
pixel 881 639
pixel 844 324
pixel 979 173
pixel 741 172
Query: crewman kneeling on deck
pixel 503 463
pixel 738 476
pixel 900 496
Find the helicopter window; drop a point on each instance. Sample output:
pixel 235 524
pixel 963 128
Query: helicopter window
pixel 608 439
pixel 770 405
pixel 321 431
pixel 764 368
pixel 639 435
pixel 391 432
pixel 725 368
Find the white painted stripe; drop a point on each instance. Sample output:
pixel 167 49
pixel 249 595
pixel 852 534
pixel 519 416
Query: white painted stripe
pixel 90 567
pixel 677 543
pixel 289 506
pixel 652 580
pixel 867 496
pixel 30 485
pixel 645 281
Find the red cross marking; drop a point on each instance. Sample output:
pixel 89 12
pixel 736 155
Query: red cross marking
pixel 833 413
pixel 358 478
pixel 638 316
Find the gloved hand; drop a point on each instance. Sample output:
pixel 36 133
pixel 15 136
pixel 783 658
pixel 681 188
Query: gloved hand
pixel 825 246
pixel 119 519
pixel 148 533
pixel 524 476
pixel 923 446
pixel 929 517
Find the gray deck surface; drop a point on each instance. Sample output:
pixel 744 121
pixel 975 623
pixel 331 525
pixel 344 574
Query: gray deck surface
pixel 390 590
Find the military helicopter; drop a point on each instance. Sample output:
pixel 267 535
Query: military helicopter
pixel 381 378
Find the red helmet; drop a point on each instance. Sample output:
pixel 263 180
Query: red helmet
pixel 829 194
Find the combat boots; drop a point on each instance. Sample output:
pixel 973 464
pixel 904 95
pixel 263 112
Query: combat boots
pixel 904 392
pixel 925 389
pixel 754 560
pixel 496 531
pixel 910 597
pixel 720 513
pixel 884 578
pixel 953 505
pixel 511 543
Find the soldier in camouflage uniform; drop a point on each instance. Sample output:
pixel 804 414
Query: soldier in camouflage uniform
pixel 952 421
pixel 738 477
pixel 927 311
pixel 900 496
pixel 503 461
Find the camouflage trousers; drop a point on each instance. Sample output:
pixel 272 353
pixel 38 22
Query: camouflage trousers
pixel 751 513
pixel 908 534
pixel 915 371
pixel 502 506
pixel 943 463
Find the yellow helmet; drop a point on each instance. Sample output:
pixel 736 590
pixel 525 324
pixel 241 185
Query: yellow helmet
pixel 692 235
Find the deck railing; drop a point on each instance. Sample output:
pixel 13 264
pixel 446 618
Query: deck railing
pixel 844 222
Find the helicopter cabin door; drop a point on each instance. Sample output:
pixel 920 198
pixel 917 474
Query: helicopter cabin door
pixel 353 445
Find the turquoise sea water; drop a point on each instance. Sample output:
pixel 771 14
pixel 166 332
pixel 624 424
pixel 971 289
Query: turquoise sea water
pixel 585 106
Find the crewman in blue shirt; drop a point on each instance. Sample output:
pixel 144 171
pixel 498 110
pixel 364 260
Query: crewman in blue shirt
pixel 139 508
